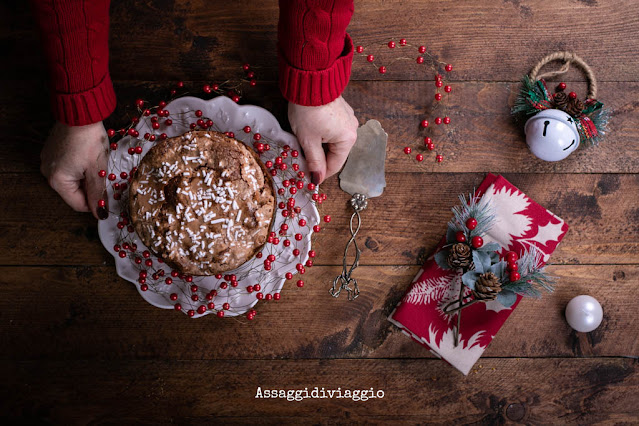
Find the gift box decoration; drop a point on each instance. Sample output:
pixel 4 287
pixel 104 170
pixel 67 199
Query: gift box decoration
pixel 520 225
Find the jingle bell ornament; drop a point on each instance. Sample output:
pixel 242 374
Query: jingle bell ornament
pixel 557 124
pixel 551 135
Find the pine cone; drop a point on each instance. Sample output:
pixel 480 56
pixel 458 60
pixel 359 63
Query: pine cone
pixel 574 107
pixel 487 286
pixel 560 99
pixel 460 256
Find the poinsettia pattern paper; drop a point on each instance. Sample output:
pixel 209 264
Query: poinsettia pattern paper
pixel 520 223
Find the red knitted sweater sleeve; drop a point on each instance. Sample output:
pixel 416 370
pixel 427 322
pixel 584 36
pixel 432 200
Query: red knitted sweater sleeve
pixel 315 52
pixel 75 37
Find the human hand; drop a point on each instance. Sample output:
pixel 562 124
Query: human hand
pixel 333 124
pixel 71 159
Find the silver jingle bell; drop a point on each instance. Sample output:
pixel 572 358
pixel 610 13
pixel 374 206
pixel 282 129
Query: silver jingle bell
pixel 551 135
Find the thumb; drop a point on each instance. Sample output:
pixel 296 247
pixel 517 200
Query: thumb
pixel 315 158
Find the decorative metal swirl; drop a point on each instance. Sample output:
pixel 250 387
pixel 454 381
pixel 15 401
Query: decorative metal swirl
pixel 344 281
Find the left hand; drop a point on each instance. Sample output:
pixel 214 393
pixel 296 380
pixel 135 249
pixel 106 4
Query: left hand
pixel 333 124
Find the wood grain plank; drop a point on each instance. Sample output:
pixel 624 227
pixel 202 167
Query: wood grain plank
pixel 173 40
pixel 533 391
pixel 401 227
pixel 483 135
pixel 79 313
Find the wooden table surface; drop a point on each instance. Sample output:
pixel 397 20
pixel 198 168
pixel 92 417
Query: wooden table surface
pixel 79 346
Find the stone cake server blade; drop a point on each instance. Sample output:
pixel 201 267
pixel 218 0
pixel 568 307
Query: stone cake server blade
pixel 363 178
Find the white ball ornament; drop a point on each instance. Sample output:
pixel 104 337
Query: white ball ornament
pixel 584 313
pixel 551 135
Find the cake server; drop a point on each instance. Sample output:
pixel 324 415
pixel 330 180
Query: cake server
pixel 362 177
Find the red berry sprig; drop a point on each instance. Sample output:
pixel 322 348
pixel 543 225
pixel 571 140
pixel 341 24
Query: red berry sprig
pixel 441 86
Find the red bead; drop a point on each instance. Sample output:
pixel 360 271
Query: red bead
pixel 420 60
pixel 112 176
pixel 289 275
pixel 246 67
pixel 427 140
pixel 312 253
pixel 101 203
pixel 138 150
pixel 422 49
pixel 210 305
pixel 391 44
pixel 438 96
pixel 206 88
pixel 195 297
pixel 250 74
pixel 194 288
pixel 438 120
pixel 438 83
pixel 152 138
pixel 327 218
pixel 382 70
pixel 163 136
pixel 471 223
pixel 131 151
pixel 180 84
pixel 177 307
pixel 168 122
pixel 298 237
pixel 477 241
pixel 316 228
pixel 268 297
pixel 294 153
pixel 300 283
pixel 191 312
pixel 102 173
pixel 407 150
pixel 236 99
pixel 359 49
pixel 247 129
pixel 514 276
pixel 460 237
pixel 257 136
pixel 124 175
pixel 511 256
pixel 260 296
pixel 110 133
pixel 113 146
pixel 572 95
pixel 224 285
pixel 201 309
pixel 122 254
pixel 302 222
pixel 169 281
pixel 419 157
pixel 162 104
pixel 198 113
pixel 139 103
pixel 402 42
pixel 155 125
pixel 431 146
pixel 448 68
pixel 220 314
pixel 174 296
pixel 561 86
pixel 512 266
pixel 296 252
pixel 370 58
pixel 276 296
pixel 424 123
pixel 447 89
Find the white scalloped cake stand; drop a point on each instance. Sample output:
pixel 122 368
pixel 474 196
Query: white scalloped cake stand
pixel 227 116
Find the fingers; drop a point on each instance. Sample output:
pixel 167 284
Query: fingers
pixel 70 190
pixel 96 187
pixel 338 152
pixel 315 158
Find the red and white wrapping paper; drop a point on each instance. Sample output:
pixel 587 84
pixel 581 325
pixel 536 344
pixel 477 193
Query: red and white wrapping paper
pixel 520 224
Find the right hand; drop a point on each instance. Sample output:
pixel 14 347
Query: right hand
pixel 71 159
pixel 334 124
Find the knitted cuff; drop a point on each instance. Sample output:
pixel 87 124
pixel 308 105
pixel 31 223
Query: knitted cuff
pixel 315 88
pixel 91 106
